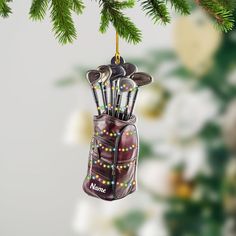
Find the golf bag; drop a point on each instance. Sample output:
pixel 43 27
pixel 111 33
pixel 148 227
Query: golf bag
pixel 113 158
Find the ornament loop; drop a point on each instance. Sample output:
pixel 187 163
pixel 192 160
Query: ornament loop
pixel 117 55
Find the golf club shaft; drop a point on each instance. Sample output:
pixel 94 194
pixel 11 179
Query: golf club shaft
pixel 117 106
pixel 133 103
pixel 103 97
pixel 114 98
pixel 126 106
pixel 96 100
pixel 111 98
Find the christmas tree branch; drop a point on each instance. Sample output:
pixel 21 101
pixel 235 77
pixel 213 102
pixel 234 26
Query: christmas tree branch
pixel 5 10
pixel 157 10
pixel 219 11
pixel 112 12
pixel 38 9
pixel 180 6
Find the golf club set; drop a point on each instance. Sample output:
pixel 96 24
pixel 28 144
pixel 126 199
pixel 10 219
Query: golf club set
pixel 116 80
pixel 114 149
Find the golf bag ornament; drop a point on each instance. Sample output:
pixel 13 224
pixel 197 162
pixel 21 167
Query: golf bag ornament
pixel 114 149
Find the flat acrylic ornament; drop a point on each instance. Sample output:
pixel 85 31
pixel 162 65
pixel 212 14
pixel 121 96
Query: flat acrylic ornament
pixel 113 156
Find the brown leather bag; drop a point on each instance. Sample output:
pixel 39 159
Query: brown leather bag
pixel 112 159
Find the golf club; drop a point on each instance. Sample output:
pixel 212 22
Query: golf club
pixel 125 114
pixel 93 76
pixel 141 79
pixel 106 73
pixel 117 72
pixel 129 68
pixel 125 84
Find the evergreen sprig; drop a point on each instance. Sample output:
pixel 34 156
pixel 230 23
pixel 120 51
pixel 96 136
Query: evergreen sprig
pixel 5 10
pixel 157 10
pixel 180 6
pixel 112 12
pixel 219 11
pixel 38 9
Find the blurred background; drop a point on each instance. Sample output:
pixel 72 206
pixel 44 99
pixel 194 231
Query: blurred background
pixel 186 121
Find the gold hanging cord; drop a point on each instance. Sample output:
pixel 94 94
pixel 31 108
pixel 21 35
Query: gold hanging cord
pixel 117 55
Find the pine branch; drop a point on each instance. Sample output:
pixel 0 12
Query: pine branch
pixel 77 6
pixel 124 4
pixel 63 25
pixel 5 10
pixel 229 4
pixel 38 9
pixel 105 21
pixel 180 6
pixel 157 10
pixel 111 12
pixel 126 28
pixel 222 16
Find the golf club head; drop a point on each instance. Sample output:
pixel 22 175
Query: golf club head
pixel 93 76
pixel 129 68
pixel 106 73
pixel 141 78
pixel 117 71
pixel 126 84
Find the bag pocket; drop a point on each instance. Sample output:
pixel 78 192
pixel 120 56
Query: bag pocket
pixel 125 178
pixel 103 148
pixel 98 185
pixel 125 160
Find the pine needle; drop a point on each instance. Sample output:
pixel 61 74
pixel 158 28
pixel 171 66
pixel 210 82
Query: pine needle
pixel 5 10
pixel 157 10
pixel 63 25
pixel 38 9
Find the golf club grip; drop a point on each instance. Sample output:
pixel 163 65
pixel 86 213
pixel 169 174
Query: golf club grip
pixel 133 103
pixel 96 100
